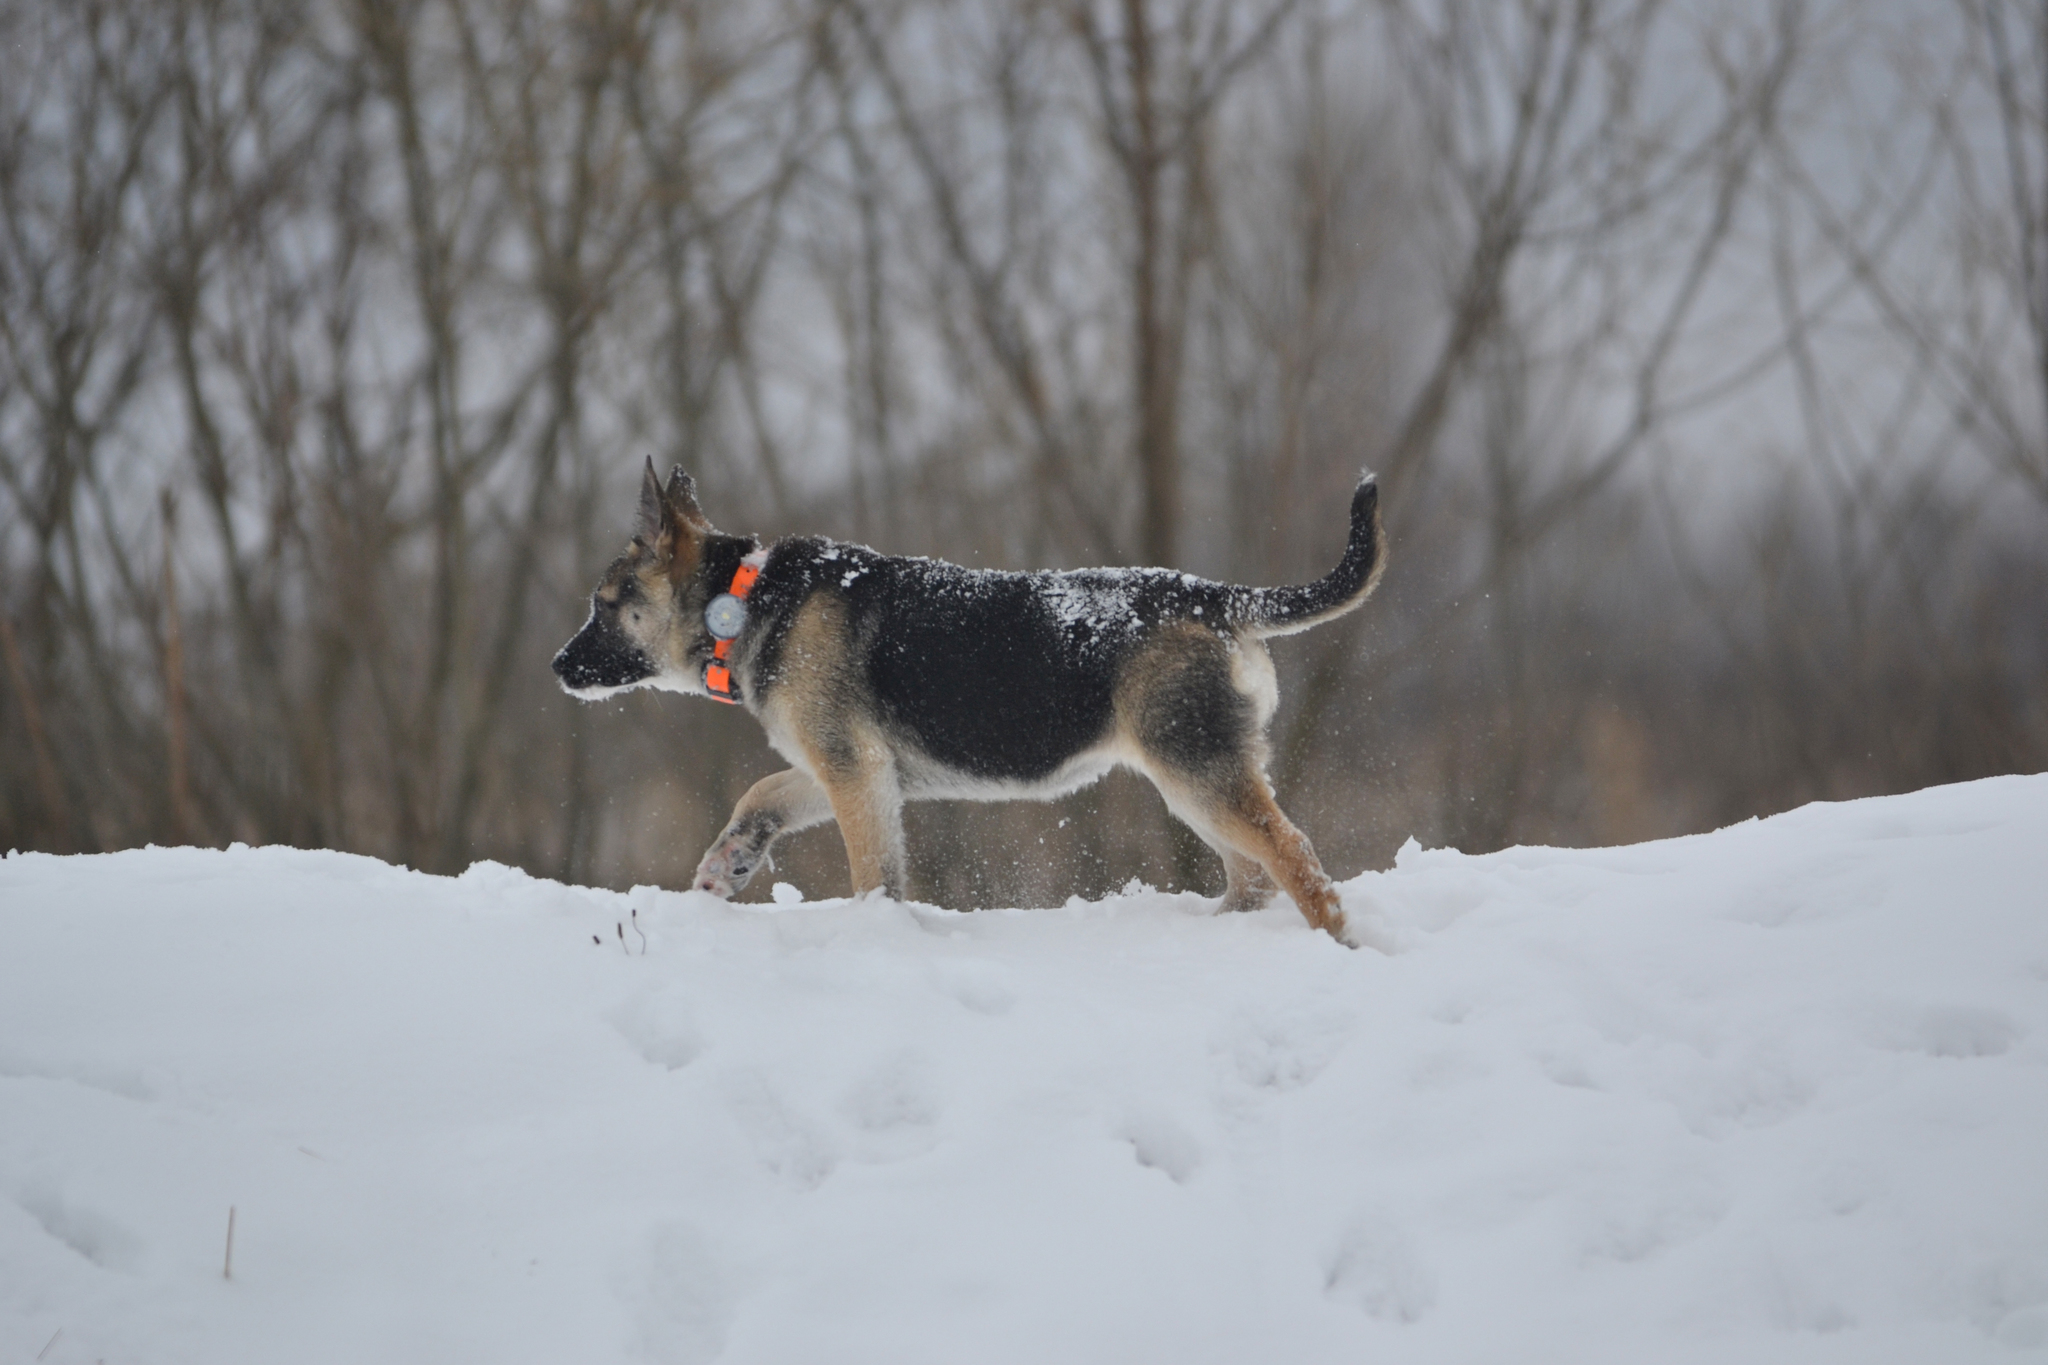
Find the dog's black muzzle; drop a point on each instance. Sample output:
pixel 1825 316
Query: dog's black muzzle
pixel 599 657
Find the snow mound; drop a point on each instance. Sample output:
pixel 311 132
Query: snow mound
pixel 1778 1093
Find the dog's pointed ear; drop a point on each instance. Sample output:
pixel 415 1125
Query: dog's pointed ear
pixel 653 508
pixel 670 524
pixel 682 499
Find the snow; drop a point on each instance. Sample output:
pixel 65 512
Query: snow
pixel 1100 599
pixel 1777 1093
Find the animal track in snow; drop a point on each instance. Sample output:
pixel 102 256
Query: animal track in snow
pixel 893 1110
pixel 1750 1088
pixel 1768 909
pixel 1793 1299
pixel 125 1083
pixel 792 1147
pixel 893 1095
pixel 1948 1031
pixel 1275 1050
pixel 1375 1266
pixel 92 1235
pixel 1637 1215
pixel 685 1303
pixel 1450 1010
pixel 980 986
pixel 661 1028
pixel 1164 1145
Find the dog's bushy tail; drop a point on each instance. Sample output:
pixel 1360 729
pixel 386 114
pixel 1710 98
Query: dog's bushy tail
pixel 1283 611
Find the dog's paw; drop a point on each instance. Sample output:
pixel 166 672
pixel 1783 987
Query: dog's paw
pixel 727 869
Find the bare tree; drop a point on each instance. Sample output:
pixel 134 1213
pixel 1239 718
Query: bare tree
pixel 331 335
pixel 1588 220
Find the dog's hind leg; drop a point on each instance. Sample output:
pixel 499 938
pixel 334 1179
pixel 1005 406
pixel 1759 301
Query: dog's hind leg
pixel 1236 810
pixel 1242 815
pixel 777 805
pixel 1196 728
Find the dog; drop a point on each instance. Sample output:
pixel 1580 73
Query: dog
pixel 884 679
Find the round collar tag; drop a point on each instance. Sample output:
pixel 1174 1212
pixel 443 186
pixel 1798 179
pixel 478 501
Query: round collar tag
pixel 725 617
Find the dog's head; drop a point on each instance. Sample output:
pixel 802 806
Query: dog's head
pixel 644 616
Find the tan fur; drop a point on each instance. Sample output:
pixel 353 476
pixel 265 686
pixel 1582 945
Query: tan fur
pixel 820 719
pixel 867 804
pixel 792 794
pixel 1248 822
pixel 1228 801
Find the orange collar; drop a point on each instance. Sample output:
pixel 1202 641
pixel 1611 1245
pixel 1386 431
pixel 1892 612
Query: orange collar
pixel 717 674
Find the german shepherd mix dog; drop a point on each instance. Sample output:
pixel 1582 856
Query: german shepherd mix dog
pixel 884 680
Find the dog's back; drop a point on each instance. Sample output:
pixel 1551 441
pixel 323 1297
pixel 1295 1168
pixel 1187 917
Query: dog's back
pixel 998 683
pixel 998 676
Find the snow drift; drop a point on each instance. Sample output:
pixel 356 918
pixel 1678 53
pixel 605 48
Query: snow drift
pixel 1778 1093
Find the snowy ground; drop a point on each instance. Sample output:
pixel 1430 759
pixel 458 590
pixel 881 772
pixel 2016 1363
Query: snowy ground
pixel 1778 1093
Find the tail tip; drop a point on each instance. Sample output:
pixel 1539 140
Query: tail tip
pixel 1367 495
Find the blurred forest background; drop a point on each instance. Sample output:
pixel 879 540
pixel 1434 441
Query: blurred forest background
pixel 1702 349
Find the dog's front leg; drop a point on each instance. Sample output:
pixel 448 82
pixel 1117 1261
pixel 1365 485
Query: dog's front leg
pixel 774 806
pixel 868 804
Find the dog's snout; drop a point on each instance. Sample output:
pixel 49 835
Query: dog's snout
pixel 570 669
pixel 594 661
